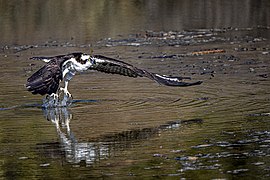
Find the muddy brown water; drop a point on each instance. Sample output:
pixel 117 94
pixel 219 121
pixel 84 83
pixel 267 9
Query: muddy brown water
pixel 119 127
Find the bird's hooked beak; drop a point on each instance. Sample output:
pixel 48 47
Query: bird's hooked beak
pixel 92 60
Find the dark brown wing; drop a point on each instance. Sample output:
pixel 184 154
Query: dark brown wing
pixel 59 57
pixel 46 80
pixel 113 66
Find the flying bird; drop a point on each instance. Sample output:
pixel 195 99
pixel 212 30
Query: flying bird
pixel 46 81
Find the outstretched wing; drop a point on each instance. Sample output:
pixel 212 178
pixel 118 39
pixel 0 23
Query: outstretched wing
pixel 113 66
pixel 59 57
pixel 46 80
pixel 46 59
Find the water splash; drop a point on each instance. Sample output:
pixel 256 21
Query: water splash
pixel 57 100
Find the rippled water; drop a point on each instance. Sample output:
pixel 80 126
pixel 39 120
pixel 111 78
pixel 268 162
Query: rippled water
pixel 119 127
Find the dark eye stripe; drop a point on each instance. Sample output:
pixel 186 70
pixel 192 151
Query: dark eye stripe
pixel 81 61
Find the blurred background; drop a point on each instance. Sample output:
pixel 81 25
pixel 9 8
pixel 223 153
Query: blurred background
pixel 24 22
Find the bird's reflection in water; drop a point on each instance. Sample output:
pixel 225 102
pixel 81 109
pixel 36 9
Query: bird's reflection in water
pixel 101 148
pixel 74 151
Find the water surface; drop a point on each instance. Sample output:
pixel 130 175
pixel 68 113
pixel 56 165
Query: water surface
pixel 119 127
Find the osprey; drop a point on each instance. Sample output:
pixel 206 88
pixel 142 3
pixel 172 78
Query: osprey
pixel 63 67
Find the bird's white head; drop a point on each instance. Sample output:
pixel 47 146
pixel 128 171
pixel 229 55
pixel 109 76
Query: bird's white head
pixel 85 58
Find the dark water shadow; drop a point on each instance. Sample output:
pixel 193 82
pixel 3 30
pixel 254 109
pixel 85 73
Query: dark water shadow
pixel 102 147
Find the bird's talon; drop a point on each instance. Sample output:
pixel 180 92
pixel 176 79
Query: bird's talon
pixel 67 94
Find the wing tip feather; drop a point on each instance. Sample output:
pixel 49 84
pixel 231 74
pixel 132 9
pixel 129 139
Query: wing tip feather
pixel 175 81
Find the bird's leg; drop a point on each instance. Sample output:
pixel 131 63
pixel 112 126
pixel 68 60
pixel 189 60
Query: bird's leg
pixel 65 90
pixel 66 98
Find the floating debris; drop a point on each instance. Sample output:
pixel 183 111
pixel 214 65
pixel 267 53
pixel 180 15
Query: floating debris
pixel 258 163
pixel 210 51
pixel 160 155
pixel 23 158
pixel 260 114
pixel 44 165
pixel 152 167
pixel 202 146
pixel 263 75
pixel 237 171
pixel 177 151
pixel 186 158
